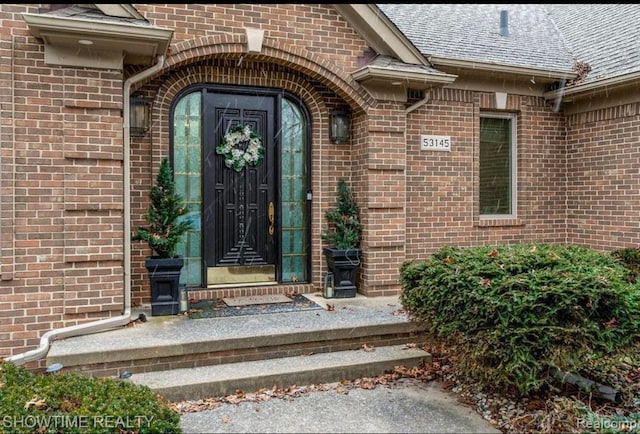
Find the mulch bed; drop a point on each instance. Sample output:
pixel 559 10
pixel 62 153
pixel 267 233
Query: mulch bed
pixel 217 308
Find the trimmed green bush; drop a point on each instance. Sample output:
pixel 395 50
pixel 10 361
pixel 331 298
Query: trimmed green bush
pixel 516 312
pixel 72 403
pixel 630 258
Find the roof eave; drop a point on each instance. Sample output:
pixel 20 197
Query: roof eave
pixel 583 90
pixel 412 79
pixel 379 32
pixel 506 69
pixel 139 44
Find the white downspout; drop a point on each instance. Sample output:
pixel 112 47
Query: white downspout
pixel 125 318
pixel 127 174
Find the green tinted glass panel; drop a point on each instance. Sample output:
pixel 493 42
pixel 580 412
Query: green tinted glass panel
pixel 496 173
pixel 293 195
pixel 187 155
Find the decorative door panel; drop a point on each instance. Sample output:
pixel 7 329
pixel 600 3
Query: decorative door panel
pixel 239 205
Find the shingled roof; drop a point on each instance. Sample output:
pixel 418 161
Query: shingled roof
pixel 606 37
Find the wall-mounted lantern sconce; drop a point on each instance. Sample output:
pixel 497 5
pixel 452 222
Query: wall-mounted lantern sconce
pixel 339 126
pixel 138 115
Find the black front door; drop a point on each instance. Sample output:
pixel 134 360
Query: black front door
pixel 239 207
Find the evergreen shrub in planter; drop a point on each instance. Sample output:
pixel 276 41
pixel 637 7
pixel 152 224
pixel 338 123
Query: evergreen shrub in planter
pixel 165 230
pixel 343 236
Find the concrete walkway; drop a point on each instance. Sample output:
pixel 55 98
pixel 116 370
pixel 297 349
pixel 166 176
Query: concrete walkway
pixel 408 406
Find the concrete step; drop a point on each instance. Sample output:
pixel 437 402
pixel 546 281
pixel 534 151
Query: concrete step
pixel 220 380
pixel 150 356
pixel 177 342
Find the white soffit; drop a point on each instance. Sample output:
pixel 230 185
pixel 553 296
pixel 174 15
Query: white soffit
pixel 80 42
pixel 409 78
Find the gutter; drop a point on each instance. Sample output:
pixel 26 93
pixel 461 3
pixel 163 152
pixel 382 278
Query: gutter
pixel 419 77
pixel 594 86
pixel 125 318
pixel 495 67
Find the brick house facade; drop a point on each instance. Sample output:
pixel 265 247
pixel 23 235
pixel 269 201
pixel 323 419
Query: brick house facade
pixel 70 174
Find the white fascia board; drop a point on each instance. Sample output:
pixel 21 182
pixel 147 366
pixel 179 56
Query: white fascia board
pixel 373 72
pixel 494 67
pixel 37 22
pixel 594 86
pixel 380 33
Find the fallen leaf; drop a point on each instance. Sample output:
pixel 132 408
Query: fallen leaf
pixel 225 419
pixel 368 347
pixel 341 389
pixel 36 402
pixel 331 307
pixel 367 383
pixel 493 253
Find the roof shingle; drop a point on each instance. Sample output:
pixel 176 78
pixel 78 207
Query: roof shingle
pixel 541 36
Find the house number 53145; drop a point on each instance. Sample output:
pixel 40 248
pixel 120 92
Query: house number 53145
pixel 435 143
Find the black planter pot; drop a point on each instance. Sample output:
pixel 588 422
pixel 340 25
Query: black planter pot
pixel 164 274
pixel 344 264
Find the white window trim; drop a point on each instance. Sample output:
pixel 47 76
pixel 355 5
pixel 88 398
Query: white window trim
pixel 514 166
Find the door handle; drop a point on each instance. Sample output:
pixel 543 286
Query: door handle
pixel 272 217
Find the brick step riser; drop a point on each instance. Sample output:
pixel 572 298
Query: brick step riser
pixel 201 355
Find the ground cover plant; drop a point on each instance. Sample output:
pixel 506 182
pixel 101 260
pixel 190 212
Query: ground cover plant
pixel 73 403
pixel 630 258
pixel 521 314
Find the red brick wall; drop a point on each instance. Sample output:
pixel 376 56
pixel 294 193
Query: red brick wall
pixel 442 187
pixel 316 29
pixel 62 190
pixel 603 194
pixel 61 174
